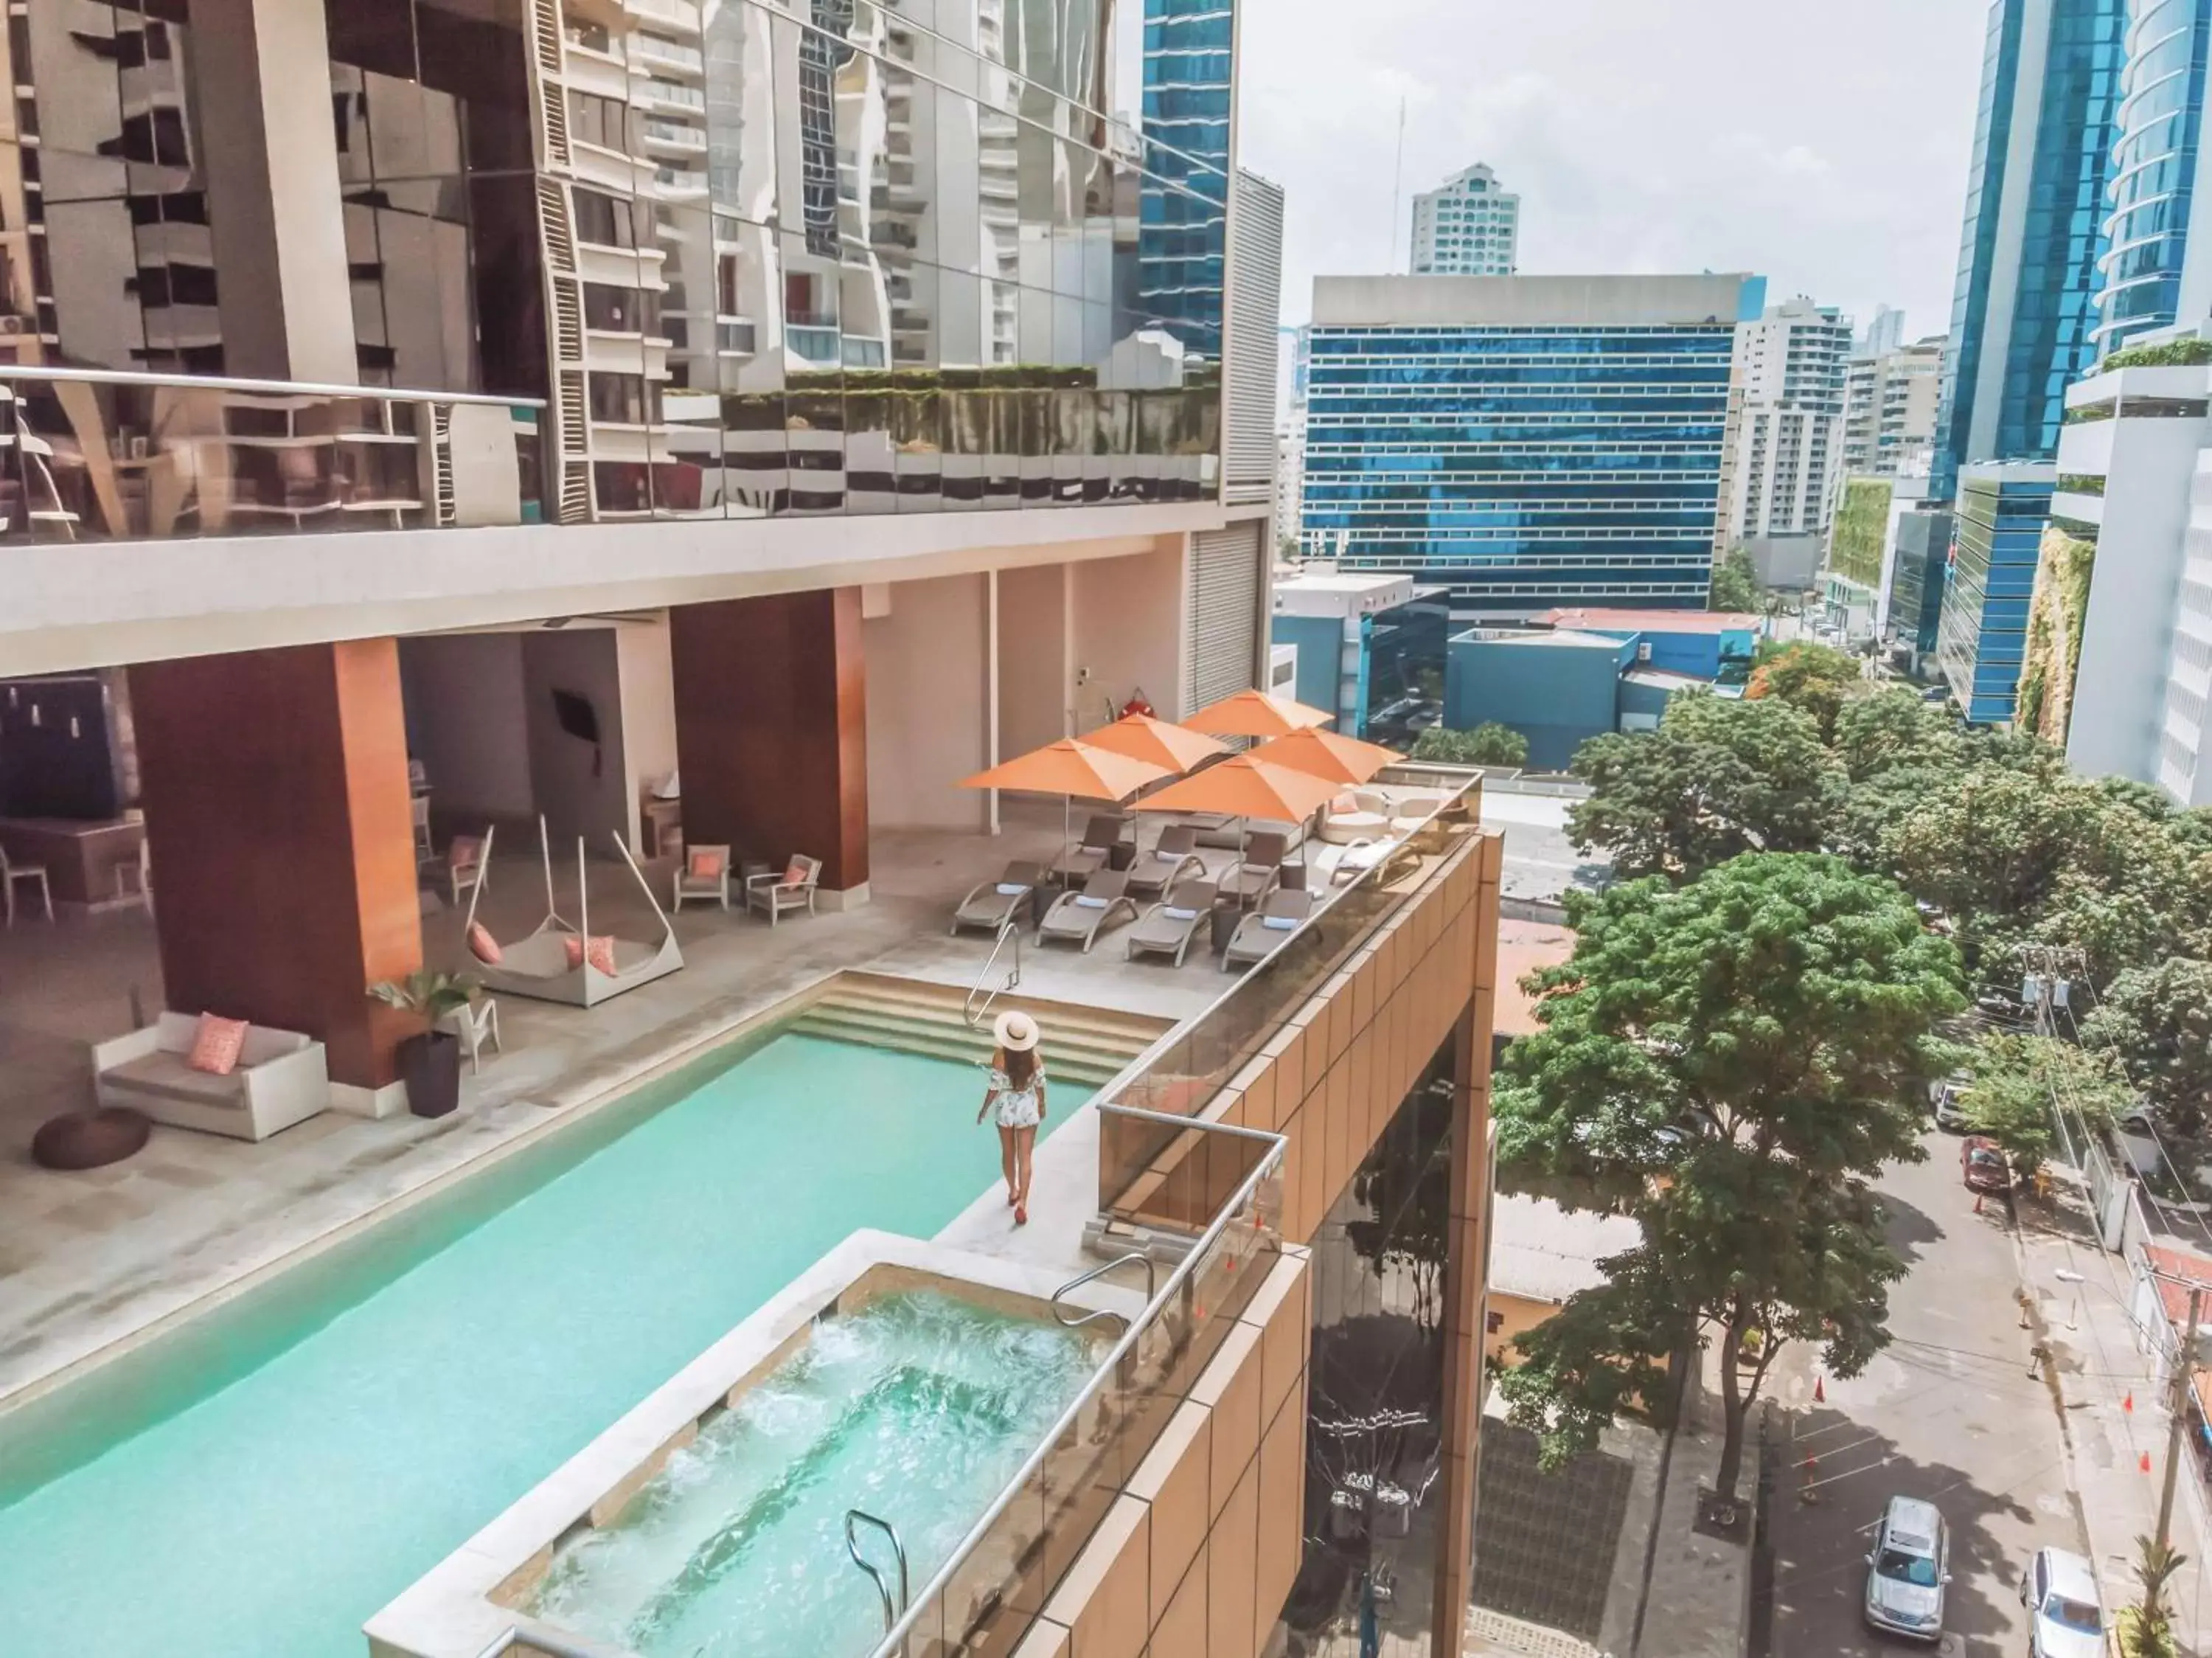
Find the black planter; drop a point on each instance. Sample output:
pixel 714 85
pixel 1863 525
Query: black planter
pixel 430 1065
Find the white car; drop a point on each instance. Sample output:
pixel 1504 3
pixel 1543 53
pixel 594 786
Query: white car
pixel 2059 1589
pixel 1906 1571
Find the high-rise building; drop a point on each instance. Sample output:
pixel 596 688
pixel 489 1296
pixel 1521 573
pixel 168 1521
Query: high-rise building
pixel 1890 407
pixel 519 489
pixel 1467 227
pixel 2155 272
pixel 2023 313
pixel 1530 442
pixel 1982 635
pixel 1883 335
pixel 1791 368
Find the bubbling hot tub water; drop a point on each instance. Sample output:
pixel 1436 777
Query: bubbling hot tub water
pixel 919 1407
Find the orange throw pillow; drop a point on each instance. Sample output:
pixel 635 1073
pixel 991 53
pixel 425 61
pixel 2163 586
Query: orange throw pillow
pixel 574 946
pixel 483 946
pixel 600 953
pixel 706 866
pixel 1345 804
pixel 795 873
pixel 217 1045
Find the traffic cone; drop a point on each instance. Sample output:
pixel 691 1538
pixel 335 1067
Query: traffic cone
pixel 2143 1462
pixel 2127 1404
pixel 1820 1390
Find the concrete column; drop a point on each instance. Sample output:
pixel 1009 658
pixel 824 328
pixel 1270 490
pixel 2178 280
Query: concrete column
pixel 275 786
pixel 261 73
pixel 1467 1267
pixel 771 729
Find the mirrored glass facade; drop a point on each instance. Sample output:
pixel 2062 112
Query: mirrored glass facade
pixel 2155 168
pixel 1982 635
pixel 725 258
pixel 1524 468
pixel 2024 310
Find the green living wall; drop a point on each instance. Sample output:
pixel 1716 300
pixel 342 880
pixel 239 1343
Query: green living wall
pixel 1861 527
pixel 2055 616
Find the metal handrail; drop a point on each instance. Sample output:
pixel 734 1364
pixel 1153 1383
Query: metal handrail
pixel 1108 1369
pixel 1151 1273
pixel 975 1016
pixel 862 1517
pixel 270 387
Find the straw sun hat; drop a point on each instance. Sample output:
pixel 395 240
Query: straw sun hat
pixel 1017 1033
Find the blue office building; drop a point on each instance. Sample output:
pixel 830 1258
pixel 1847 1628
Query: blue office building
pixel 2024 313
pixel 1525 441
pixel 1981 634
pixel 2155 164
pixel 1190 53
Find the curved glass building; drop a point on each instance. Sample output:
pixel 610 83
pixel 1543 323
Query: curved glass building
pixel 2154 157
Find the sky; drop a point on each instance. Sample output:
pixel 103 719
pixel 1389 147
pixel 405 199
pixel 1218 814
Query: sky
pixel 1823 146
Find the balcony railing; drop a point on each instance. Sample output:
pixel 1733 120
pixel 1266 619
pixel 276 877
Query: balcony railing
pixel 96 455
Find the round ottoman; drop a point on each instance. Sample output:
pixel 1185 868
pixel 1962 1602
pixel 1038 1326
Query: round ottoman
pixel 89 1139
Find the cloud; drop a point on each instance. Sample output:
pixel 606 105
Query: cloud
pixel 1643 135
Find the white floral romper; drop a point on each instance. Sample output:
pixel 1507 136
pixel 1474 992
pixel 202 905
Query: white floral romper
pixel 1019 1107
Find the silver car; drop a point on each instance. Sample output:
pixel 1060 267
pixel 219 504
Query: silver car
pixel 2059 1589
pixel 1907 1569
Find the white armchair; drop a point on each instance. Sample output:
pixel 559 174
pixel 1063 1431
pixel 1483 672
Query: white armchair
pixel 704 872
pixel 791 888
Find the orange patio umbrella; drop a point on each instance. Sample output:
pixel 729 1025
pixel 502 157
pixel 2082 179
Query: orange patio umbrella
pixel 1248 786
pixel 1142 737
pixel 1338 759
pixel 1074 770
pixel 1255 714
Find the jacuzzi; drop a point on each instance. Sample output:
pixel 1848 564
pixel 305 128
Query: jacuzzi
pixel 901 1379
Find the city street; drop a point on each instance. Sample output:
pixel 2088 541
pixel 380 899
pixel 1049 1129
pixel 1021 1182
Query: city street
pixel 1947 1412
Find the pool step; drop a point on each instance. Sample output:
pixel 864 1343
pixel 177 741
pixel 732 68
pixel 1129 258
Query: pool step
pixel 1082 1045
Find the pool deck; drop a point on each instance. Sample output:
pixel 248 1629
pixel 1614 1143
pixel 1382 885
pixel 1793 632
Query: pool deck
pixel 89 1260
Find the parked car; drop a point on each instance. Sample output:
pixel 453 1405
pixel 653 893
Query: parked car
pixel 2059 1589
pixel 1982 1164
pixel 1945 1096
pixel 1907 1569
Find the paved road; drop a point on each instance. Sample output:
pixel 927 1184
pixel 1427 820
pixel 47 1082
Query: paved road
pixel 1947 1412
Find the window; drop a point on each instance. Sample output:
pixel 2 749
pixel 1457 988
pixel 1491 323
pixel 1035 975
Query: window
pixel 624 399
pixel 600 121
pixel 620 310
pixel 604 220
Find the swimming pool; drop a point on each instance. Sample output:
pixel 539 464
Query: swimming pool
pixel 307 1459
pixel 919 1407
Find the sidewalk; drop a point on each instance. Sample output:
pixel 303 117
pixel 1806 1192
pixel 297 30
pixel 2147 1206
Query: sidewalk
pixel 2110 1405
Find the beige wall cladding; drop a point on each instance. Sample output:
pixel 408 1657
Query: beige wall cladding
pixel 1180 1631
pixel 1232 1571
pixel 1282 1511
pixel 1175 1479
pixel 1105 1600
pixel 1045 1640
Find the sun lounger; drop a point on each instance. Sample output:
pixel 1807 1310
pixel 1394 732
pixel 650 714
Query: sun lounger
pixel 1012 897
pixel 1086 858
pixel 1260 935
pixel 1261 870
pixel 1175 857
pixel 1169 927
pixel 1079 917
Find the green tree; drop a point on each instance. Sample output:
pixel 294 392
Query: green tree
pixel 1891 730
pixel 1735 583
pixel 1488 744
pixel 2015 1080
pixel 1729 1061
pixel 2146 1629
pixel 2156 1021
pixel 1718 778
pixel 1816 678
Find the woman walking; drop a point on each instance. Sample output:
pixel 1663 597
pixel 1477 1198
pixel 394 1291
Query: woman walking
pixel 1018 1090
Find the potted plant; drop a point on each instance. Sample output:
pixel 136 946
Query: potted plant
pixel 430 1060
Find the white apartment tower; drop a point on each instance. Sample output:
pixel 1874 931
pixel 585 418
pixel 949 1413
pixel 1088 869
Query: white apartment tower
pixel 1790 366
pixel 1891 399
pixel 1467 227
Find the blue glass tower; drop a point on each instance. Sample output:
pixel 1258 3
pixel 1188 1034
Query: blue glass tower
pixel 1981 636
pixel 1530 442
pixel 1190 53
pixel 2162 119
pixel 2023 312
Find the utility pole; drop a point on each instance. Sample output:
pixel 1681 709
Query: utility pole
pixel 2176 1409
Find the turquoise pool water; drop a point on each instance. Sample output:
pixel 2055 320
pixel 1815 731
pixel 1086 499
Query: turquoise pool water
pixel 918 1408
pixel 297 1465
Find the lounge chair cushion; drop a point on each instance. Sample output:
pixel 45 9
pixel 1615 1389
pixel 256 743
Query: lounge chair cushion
pixel 1085 901
pixel 573 947
pixel 1010 889
pixel 159 1074
pixel 217 1045
pixel 483 946
pixel 1279 923
pixel 1176 912
pixel 600 953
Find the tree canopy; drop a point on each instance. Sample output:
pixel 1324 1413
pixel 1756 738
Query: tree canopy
pixel 2014 1078
pixel 2156 1023
pixel 1729 1061
pixel 1816 678
pixel 1487 744
pixel 1735 582
pixel 1721 776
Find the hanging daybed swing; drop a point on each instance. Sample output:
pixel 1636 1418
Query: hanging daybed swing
pixel 562 963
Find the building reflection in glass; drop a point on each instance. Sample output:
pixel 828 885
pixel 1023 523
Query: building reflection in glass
pixel 1375 1403
pixel 754 259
